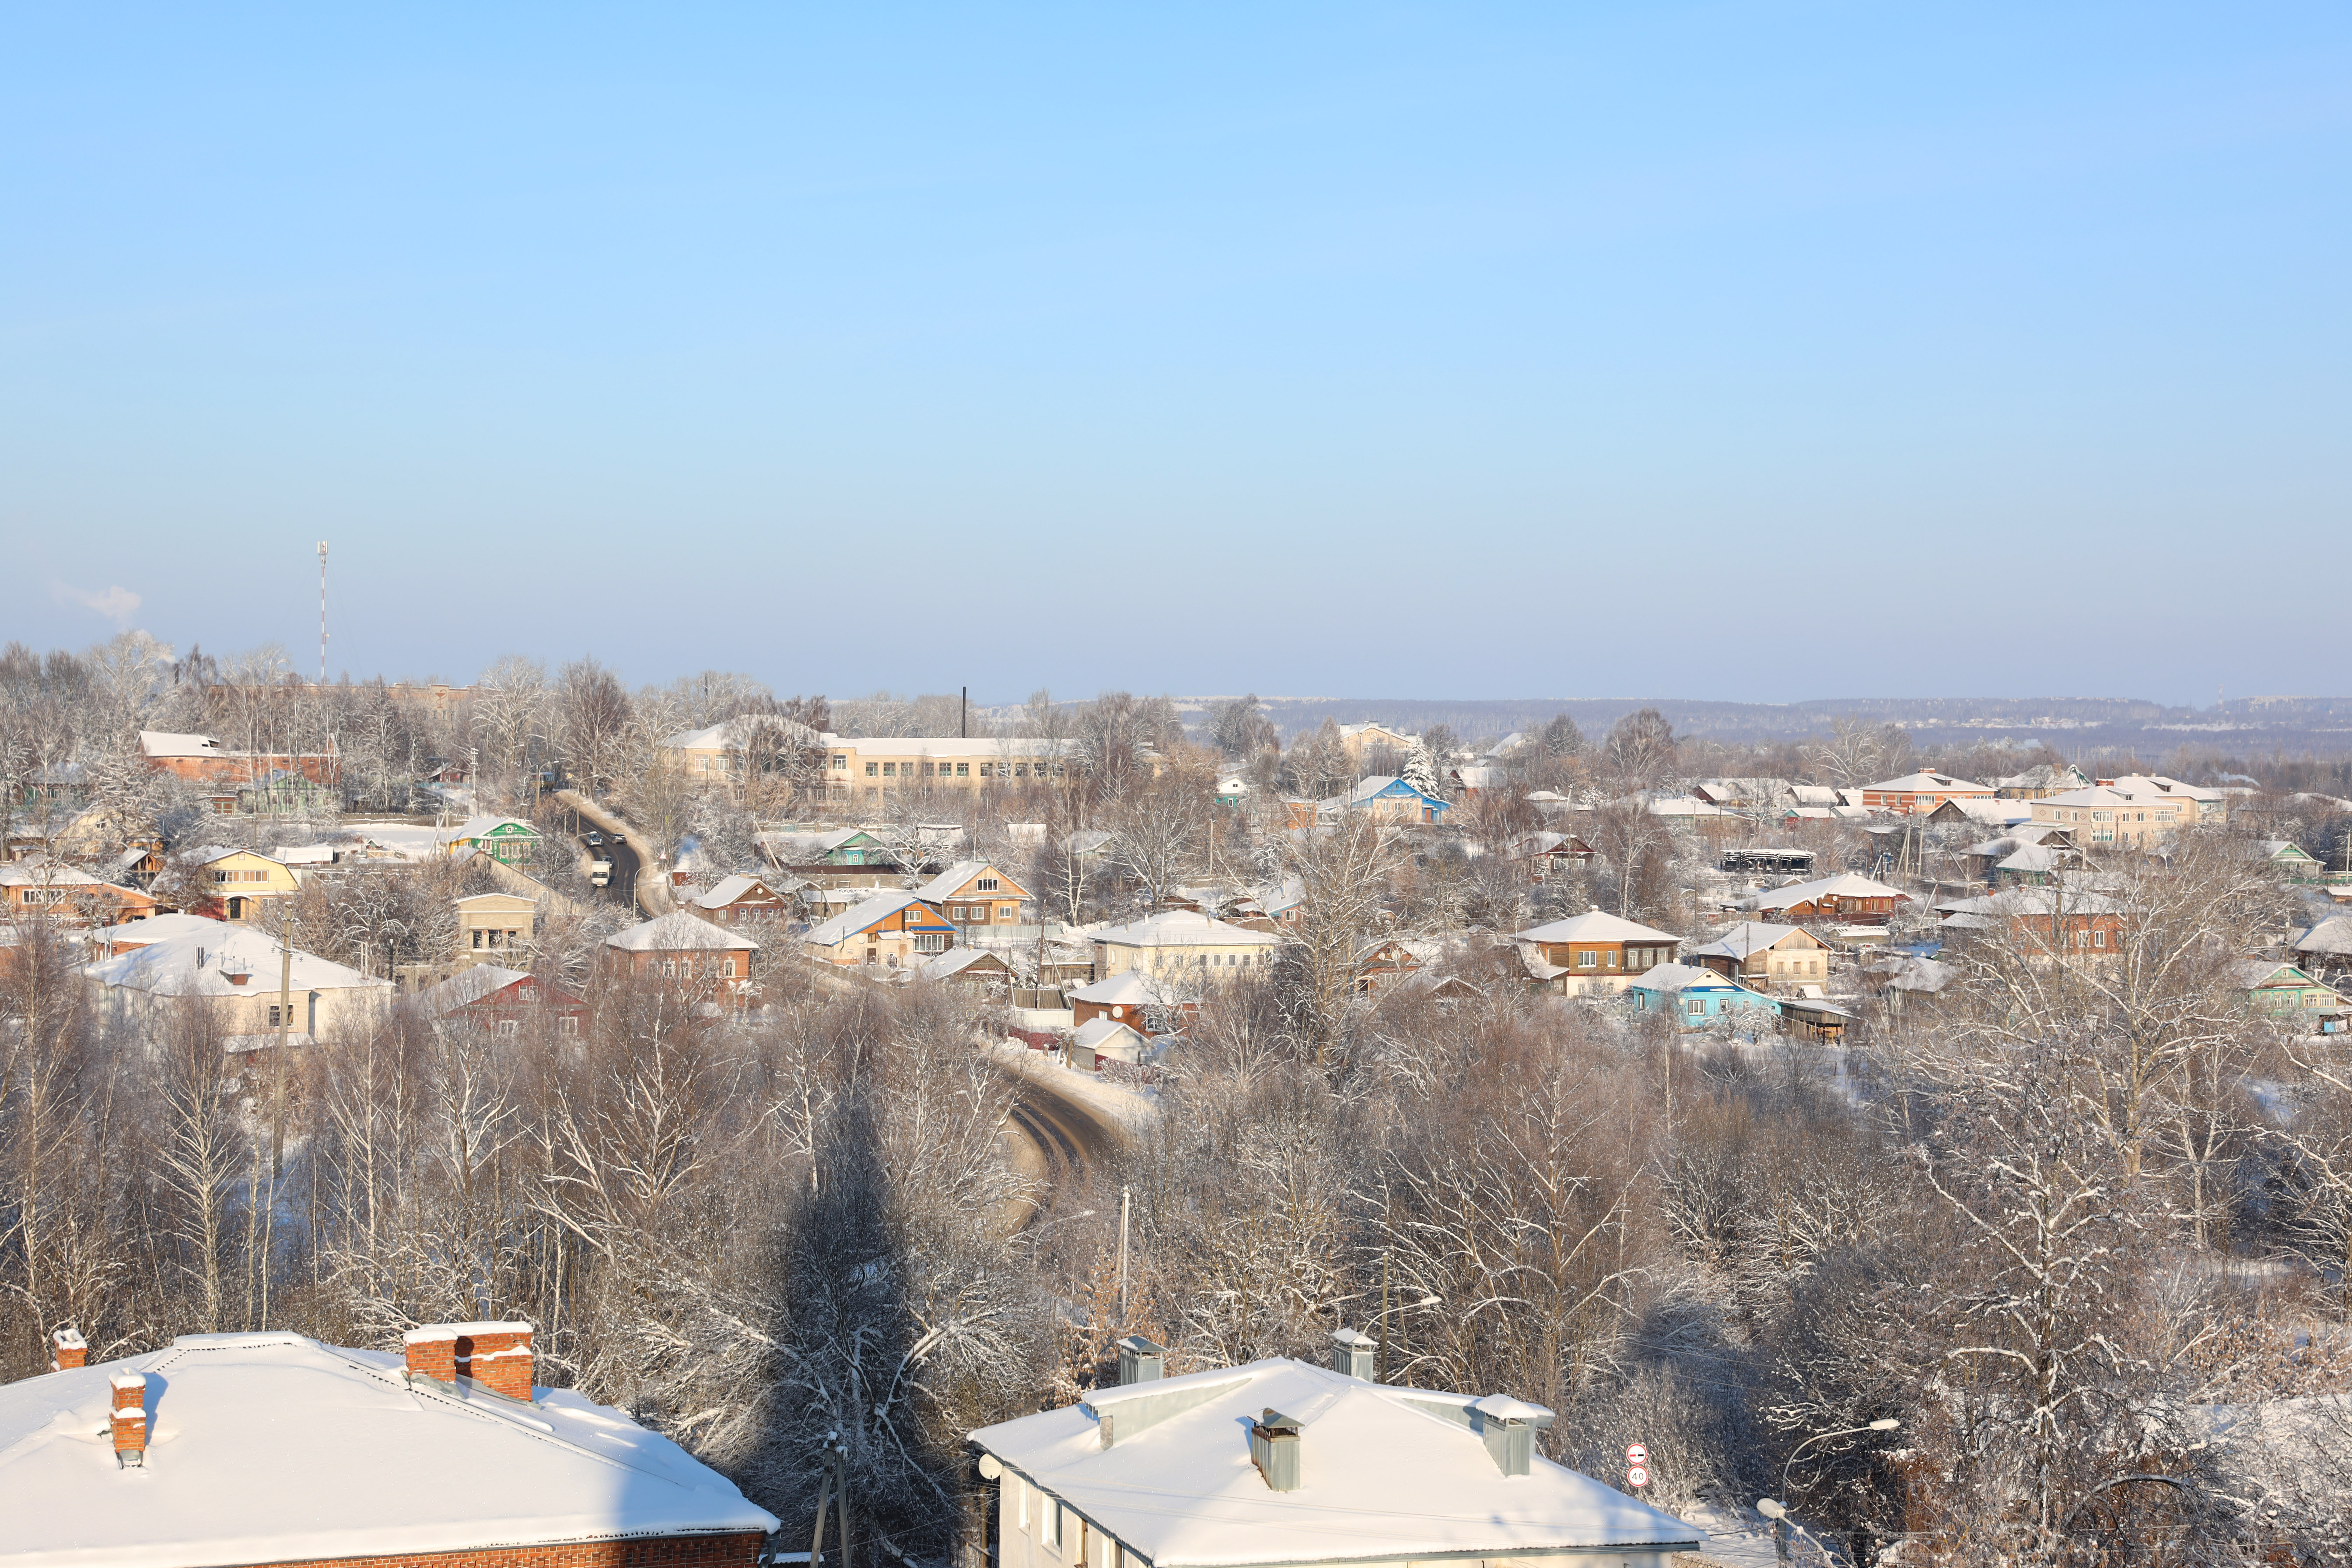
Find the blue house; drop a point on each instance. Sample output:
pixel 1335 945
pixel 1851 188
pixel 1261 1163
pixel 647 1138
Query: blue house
pixel 1386 796
pixel 1697 997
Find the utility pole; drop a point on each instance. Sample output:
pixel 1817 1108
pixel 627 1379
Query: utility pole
pixel 963 717
pixel 323 612
pixel 285 1027
pixel 1123 1201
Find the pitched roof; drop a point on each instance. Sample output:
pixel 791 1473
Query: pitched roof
pixel 862 915
pixel 482 825
pixel 677 932
pixel 1182 928
pixel 956 959
pixel 1747 937
pixel 1685 977
pixel 1128 987
pixel 1844 884
pixel 1925 784
pixel 726 891
pixel 1595 925
pixel 2332 935
pixel 1102 1034
pixel 467 987
pixel 953 879
pixel 273 1448
pixel 200 963
pixel 160 928
pixel 1390 1473
pixel 166 743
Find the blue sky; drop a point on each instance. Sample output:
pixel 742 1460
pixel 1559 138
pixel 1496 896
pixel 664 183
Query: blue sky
pixel 1727 351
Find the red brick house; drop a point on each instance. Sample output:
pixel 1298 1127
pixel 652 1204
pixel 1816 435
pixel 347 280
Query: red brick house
pixel 501 1000
pixel 680 946
pixel 1918 793
pixel 230 1450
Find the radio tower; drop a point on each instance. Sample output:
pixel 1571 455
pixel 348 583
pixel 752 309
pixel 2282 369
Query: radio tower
pixel 323 612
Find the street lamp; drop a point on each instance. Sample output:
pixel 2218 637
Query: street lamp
pixel 1776 1511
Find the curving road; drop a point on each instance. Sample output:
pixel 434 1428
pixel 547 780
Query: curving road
pixel 653 894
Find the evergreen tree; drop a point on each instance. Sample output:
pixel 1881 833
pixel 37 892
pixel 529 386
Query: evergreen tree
pixel 1420 772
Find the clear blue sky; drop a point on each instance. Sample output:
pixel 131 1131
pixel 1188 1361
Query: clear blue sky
pixel 1731 350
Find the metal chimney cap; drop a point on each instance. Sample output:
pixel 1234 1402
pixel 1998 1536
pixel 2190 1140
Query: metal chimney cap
pixel 1143 1346
pixel 1275 1422
pixel 1351 1338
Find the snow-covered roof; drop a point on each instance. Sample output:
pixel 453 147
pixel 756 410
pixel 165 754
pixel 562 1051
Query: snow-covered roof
pixel 1128 987
pixel 1105 1034
pixel 713 739
pixel 1670 977
pixel 677 932
pixel 1926 784
pixel 205 855
pixel 726 891
pixel 953 879
pixel 2157 784
pixel 271 1448
pixel 1844 884
pixel 956 959
pixel 1747 937
pixel 1387 1473
pixel 858 917
pixel 1182 928
pixel 1594 925
pixel 165 743
pixel 200 963
pixel 160 928
pixel 47 874
pixel 2254 973
pixel 2332 935
pixel 468 986
pixel 2035 858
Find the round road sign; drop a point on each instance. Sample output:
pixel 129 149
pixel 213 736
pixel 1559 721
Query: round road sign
pixel 1639 1476
pixel 1637 1453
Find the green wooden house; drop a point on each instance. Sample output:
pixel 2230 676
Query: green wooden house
pixel 2286 858
pixel 503 838
pixel 2283 991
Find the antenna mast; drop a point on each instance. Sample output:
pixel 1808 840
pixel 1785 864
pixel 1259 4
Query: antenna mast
pixel 323 612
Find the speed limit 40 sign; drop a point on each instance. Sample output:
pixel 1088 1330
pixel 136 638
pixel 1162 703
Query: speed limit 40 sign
pixel 1638 1475
pixel 1637 1464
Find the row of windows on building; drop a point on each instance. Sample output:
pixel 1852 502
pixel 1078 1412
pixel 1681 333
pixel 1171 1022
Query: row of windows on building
pixel 953 770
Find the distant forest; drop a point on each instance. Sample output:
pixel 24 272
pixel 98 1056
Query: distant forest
pixel 2088 730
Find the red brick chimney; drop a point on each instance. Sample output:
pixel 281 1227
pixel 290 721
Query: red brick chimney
pixel 69 1350
pixel 495 1356
pixel 129 1418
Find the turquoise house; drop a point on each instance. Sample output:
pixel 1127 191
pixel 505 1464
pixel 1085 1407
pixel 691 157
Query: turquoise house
pixel 1696 997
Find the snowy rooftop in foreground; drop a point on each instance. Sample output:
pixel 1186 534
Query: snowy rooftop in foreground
pixel 271 1448
pixel 1385 1472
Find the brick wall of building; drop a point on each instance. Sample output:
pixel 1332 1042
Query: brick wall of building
pixel 678 1552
